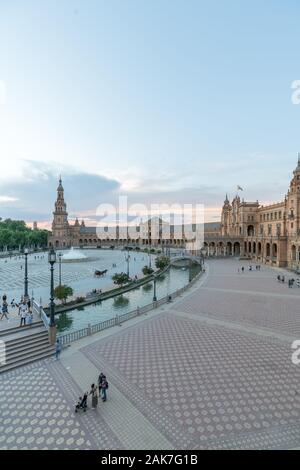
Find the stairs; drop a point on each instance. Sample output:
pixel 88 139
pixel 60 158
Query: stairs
pixel 25 345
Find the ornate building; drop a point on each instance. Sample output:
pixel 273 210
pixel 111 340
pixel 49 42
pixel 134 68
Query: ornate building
pixel 268 234
pixel 65 235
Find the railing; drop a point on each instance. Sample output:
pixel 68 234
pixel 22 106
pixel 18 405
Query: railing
pixel 38 309
pixel 66 338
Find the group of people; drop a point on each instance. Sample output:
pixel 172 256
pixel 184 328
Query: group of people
pixel 250 268
pixel 96 392
pixel 24 310
pixel 291 281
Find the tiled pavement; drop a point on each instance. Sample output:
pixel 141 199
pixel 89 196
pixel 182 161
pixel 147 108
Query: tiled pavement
pixel 213 370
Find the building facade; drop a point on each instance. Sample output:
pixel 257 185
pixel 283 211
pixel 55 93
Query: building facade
pixel 268 234
pixel 66 235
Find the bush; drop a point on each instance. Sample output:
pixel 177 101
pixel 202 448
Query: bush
pixel 147 270
pixel 80 299
pixel 120 279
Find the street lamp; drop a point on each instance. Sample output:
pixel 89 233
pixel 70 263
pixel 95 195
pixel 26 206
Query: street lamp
pixel 52 328
pixel 154 288
pixel 59 265
pixel 127 259
pixel 26 275
pixel 190 270
pixel 149 254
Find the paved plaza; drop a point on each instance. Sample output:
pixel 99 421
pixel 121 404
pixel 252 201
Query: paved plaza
pixel 211 370
pixel 80 276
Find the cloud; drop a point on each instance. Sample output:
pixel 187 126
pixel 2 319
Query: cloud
pixel 32 196
pixel 4 199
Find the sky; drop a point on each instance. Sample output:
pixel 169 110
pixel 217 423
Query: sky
pixel 160 100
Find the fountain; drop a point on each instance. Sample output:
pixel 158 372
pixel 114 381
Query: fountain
pixel 74 256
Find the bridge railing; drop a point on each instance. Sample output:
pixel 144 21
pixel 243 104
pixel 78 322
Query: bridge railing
pixel 38 309
pixel 66 338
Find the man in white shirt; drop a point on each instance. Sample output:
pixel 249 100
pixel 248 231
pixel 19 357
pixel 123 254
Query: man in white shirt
pixel 23 311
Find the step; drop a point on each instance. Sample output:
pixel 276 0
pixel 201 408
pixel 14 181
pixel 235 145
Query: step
pixel 16 329
pixel 13 356
pixel 25 345
pixel 26 339
pixel 26 361
pixel 24 348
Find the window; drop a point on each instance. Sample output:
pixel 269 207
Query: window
pixel 269 229
pixel 271 215
pixel 278 229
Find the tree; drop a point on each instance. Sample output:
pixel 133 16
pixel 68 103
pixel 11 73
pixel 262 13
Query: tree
pixel 63 292
pixel 120 279
pixel 147 270
pixel 162 262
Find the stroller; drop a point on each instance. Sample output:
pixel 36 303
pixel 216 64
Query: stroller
pixel 82 404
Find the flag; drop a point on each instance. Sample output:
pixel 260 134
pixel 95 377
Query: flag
pixel 239 188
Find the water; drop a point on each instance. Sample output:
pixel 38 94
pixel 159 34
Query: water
pixel 79 318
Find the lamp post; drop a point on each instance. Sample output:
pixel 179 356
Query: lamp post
pixel 154 288
pixel 52 327
pixel 127 259
pixel 26 275
pixel 190 270
pixel 149 254
pixel 59 265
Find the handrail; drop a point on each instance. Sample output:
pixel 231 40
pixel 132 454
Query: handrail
pixel 67 338
pixel 38 309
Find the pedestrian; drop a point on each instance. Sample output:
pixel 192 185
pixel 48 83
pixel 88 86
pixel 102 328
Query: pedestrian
pixel 100 378
pixel 243 269
pixel 29 318
pixel 57 349
pixel 4 310
pixel 104 387
pixel 94 394
pixel 23 309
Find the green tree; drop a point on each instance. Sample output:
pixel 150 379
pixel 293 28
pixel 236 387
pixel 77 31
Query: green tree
pixel 162 262
pixel 120 279
pixel 63 292
pixel 147 270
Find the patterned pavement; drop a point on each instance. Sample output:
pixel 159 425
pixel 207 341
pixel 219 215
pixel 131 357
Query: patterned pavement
pixel 204 373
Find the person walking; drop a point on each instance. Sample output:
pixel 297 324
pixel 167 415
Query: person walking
pixel 23 310
pixel 93 393
pixel 4 309
pixel 57 349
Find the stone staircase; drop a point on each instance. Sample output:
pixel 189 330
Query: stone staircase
pixel 25 345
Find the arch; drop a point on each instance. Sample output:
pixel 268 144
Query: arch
pixel 259 249
pixel 254 248
pixel 274 250
pixel 268 250
pixel 249 247
pixel 293 253
pixel 245 248
pixel 229 249
pixel 237 249
pixel 57 243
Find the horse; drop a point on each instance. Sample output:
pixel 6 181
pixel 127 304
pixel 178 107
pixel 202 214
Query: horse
pixel 100 273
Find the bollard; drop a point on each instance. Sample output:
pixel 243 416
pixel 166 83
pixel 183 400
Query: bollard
pixel 89 329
